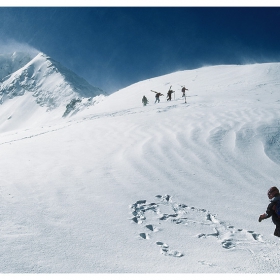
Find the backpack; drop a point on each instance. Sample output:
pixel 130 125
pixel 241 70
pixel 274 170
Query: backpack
pixel 276 207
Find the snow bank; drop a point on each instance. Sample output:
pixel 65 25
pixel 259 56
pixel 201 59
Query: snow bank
pixel 172 187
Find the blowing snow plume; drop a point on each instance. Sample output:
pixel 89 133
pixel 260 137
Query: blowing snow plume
pixel 10 46
pixel 13 56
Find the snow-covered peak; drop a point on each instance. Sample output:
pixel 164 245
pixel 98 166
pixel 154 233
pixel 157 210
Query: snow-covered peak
pixel 48 81
pixel 31 86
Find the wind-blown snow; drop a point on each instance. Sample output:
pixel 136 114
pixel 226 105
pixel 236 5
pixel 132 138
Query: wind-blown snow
pixel 10 63
pixel 172 187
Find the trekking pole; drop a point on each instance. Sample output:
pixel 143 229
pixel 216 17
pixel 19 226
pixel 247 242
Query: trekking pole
pixel 186 97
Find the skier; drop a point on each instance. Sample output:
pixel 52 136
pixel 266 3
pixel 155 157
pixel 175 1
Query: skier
pixel 169 93
pixel 274 196
pixel 145 100
pixel 183 91
pixel 158 94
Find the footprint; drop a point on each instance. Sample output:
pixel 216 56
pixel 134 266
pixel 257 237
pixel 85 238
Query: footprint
pixel 151 206
pixel 181 215
pixel 215 234
pixel 228 244
pixel 211 218
pixel 144 235
pixel 152 228
pixel 166 216
pixel 134 213
pixel 179 221
pixel 135 220
pixel 140 202
pixel 138 220
pixel 164 198
pixel 165 250
pixel 182 206
pixel 162 244
pixel 256 236
pixel 173 254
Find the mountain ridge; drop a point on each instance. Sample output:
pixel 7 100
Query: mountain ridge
pixel 59 93
pixel 43 83
pixel 49 82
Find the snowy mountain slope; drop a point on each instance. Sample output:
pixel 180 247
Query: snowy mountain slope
pixel 172 187
pixel 46 82
pixel 210 82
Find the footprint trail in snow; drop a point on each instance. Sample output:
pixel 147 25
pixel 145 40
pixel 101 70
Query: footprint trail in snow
pixel 152 216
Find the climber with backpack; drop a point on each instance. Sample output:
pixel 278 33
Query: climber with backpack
pixel 183 91
pixel 273 209
pixel 158 94
pixel 169 94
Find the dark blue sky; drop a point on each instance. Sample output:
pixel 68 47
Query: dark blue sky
pixel 113 47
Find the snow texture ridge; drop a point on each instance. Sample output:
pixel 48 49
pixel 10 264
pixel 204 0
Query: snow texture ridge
pixel 118 187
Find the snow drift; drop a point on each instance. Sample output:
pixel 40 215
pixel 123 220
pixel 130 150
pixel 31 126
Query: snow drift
pixel 172 187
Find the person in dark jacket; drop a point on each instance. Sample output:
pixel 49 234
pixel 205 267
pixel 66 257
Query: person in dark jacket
pixel 145 100
pixel 169 94
pixel 274 196
pixel 158 94
pixel 184 91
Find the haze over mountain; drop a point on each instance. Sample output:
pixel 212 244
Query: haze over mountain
pixel 10 63
pixel 172 187
pixel 115 46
